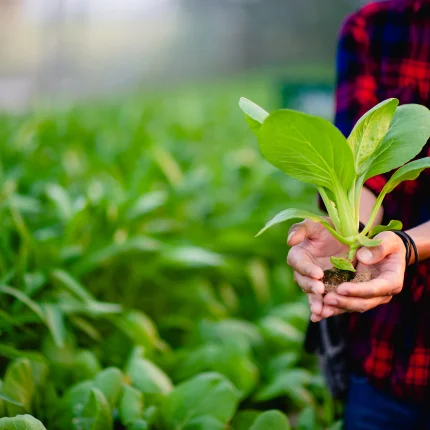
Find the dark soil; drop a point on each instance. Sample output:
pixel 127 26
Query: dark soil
pixel 334 277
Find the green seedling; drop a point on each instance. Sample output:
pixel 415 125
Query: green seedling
pixel 314 151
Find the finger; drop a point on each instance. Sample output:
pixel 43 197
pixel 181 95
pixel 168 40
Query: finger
pixel 354 304
pixel 330 311
pixel 302 230
pixel 309 285
pixel 377 287
pixel 315 303
pixel 390 243
pixel 300 261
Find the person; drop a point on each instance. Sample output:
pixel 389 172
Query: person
pixel 383 52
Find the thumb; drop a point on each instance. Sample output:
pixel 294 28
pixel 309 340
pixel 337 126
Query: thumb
pixel 375 254
pixel 300 231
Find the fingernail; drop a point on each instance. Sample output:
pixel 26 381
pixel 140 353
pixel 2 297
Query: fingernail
pixel 366 255
pixel 332 302
pixel 290 236
pixel 330 313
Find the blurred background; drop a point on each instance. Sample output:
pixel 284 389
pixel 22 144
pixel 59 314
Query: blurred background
pixel 74 48
pixel 133 292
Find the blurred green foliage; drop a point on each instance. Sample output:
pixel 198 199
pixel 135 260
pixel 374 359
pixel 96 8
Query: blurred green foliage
pixel 133 293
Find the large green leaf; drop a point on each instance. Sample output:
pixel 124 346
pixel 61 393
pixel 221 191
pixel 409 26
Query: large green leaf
pixel 21 422
pixel 254 114
pixel 408 133
pixel 273 419
pixel 370 131
pixel 147 377
pixel 308 148
pixel 208 394
pixel 130 405
pixel 18 384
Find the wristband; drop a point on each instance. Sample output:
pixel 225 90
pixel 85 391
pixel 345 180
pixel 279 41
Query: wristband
pixel 409 245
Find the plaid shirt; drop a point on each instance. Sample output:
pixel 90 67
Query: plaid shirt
pixel 383 52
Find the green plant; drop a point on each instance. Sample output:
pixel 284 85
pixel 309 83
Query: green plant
pixel 312 150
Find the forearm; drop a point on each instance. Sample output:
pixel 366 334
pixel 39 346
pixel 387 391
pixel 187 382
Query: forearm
pixel 367 201
pixel 421 237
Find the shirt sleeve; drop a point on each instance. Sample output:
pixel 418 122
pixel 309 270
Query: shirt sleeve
pixel 356 87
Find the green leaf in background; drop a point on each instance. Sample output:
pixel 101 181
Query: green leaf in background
pixel 86 365
pixel 55 321
pixel 254 114
pixel 274 420
pixel 146 204
pixel 147 377
pixel 342 264
pixel 307 420
pixel 204 423
pixel 109 382
pixel 392 225
pixel 227 360
pixel 61 199
pixel 130 405
pixel 19 295
pixel 72 285
pixel 18 384
pixel 369 131
pixel 408 133
pixel 307 148
pixel 97 414
pixel 208 394
pixel 244 419
pixel 192 257
pixel 73 403
pixel 280 334
pixel 291 383
pixel 138 425
pixel 140 329
pixel 21 422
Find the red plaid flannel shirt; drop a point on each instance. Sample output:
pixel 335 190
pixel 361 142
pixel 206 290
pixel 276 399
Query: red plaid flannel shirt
pixel 383 52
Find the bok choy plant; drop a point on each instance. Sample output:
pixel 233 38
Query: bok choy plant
pixel 312 150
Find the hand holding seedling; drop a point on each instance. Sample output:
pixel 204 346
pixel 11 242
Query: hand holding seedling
pixel 312 247
pixel 314 151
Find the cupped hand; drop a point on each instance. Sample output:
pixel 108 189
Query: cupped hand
pixel 312 246
pixel 387 264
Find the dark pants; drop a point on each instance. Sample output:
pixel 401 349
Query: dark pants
pixel 367 408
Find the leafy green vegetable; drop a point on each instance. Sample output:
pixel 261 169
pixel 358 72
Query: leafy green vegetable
pixel 209 397
pixel 21 422
pixel 271 420
pixel 312 150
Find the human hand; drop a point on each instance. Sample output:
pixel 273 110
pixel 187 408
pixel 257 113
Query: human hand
pixel 387 263
pixel 312 246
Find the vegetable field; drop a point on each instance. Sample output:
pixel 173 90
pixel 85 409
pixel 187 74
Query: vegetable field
pixel 133 292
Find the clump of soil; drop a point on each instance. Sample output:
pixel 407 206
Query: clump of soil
pixel 334 277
